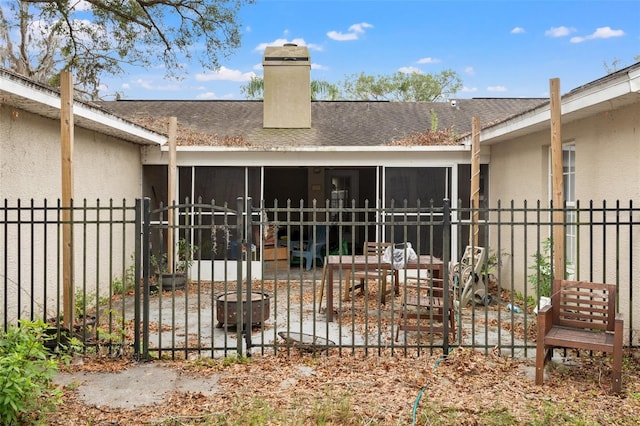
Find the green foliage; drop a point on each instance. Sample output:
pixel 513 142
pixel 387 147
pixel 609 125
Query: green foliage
pixel 403 87
pixel 493 262
pixel 332 410
pixel 140 33
pixel 541 276
pixel 367 87
pixel 185 258
pixel 186 254
pixel 26 372
pixel 320 89
pixel 434 120
pixel 235 359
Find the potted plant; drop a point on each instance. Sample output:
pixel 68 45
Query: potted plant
pixel 169 277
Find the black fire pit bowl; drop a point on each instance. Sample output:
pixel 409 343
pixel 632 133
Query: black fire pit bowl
pixel 227 309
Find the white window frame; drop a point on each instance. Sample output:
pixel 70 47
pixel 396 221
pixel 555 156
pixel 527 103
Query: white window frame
pixel 569 193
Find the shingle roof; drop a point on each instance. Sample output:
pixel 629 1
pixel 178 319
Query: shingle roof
pixel 333 123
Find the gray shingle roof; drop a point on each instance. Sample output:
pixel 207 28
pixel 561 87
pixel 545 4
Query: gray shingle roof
pixel 333 123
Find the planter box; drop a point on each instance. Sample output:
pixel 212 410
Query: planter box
pixel 276 253
pixel 271 265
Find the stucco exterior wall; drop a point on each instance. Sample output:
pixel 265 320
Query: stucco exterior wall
pixel 104 168
pixel 607 160
pixel 607 169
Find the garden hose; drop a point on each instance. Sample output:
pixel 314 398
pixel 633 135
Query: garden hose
pixel 422 389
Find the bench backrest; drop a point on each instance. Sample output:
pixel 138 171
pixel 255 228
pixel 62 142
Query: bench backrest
pixel 583 304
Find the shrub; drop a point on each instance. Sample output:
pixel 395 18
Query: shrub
pixel 26 372
pixel 541 277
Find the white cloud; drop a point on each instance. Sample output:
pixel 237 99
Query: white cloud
pixel 225 74
pixel 315 66
pixel 206 95
pixel 602 32
pixel 518 30
pixel 496 89
pixel 211 95
pixel 146 84
pixel 428 60
pixel 559 31
pixel 409 70
pixel 354 33
pixel 469 89
pixel 283 41
pixel 469 70
pixel 125 86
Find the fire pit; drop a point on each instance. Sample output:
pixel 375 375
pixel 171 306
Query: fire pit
pixel 259 306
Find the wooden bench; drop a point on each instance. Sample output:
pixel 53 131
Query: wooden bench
pixel 582 316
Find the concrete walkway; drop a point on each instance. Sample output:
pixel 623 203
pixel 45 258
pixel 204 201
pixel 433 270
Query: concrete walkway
pixel 139 385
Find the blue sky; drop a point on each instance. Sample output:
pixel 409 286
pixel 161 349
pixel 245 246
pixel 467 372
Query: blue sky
pixel 499 48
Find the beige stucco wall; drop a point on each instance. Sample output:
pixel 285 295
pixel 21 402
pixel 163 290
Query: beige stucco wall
pixel 104 168
pixel 607 150
pixel 607 160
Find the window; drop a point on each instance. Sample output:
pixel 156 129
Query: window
pixel 571 216
pixel 569 179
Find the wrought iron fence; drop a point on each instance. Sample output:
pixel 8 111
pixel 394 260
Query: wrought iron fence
pixel 102 268
pixel 289 276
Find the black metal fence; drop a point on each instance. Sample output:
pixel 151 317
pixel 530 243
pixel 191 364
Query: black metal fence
pixel 102 265
pixel 257 277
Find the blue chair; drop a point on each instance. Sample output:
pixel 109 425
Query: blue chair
pixel 312 248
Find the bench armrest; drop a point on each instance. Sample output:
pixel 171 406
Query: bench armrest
pixel 545 321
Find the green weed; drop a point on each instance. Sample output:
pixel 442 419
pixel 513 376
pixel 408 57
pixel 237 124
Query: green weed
pixel 26 372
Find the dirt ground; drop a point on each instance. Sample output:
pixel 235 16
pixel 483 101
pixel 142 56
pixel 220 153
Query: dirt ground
pixel 466 388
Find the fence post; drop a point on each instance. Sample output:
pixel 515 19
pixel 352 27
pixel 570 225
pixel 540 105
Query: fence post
pixel 142 258
pixel 239 241
pixel 249 252
pixel 446 251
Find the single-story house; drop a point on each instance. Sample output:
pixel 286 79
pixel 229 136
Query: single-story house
pixel 288 147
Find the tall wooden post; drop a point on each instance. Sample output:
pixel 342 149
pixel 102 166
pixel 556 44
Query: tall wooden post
pixel 557 179
pixel 171 188
pixel 66 164
pixel 475 180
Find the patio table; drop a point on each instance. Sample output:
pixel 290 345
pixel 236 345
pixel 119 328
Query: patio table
pixel 362 263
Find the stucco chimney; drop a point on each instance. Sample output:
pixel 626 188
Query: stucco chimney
pixel 287 87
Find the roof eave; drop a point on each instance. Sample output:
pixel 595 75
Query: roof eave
pixel 21 93
pixel 623 88
pixel 308 149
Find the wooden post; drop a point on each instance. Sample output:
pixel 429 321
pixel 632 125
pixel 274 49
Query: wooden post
pixel 475 180
pixel 557 179
pixel 66 165
pixel 171 189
